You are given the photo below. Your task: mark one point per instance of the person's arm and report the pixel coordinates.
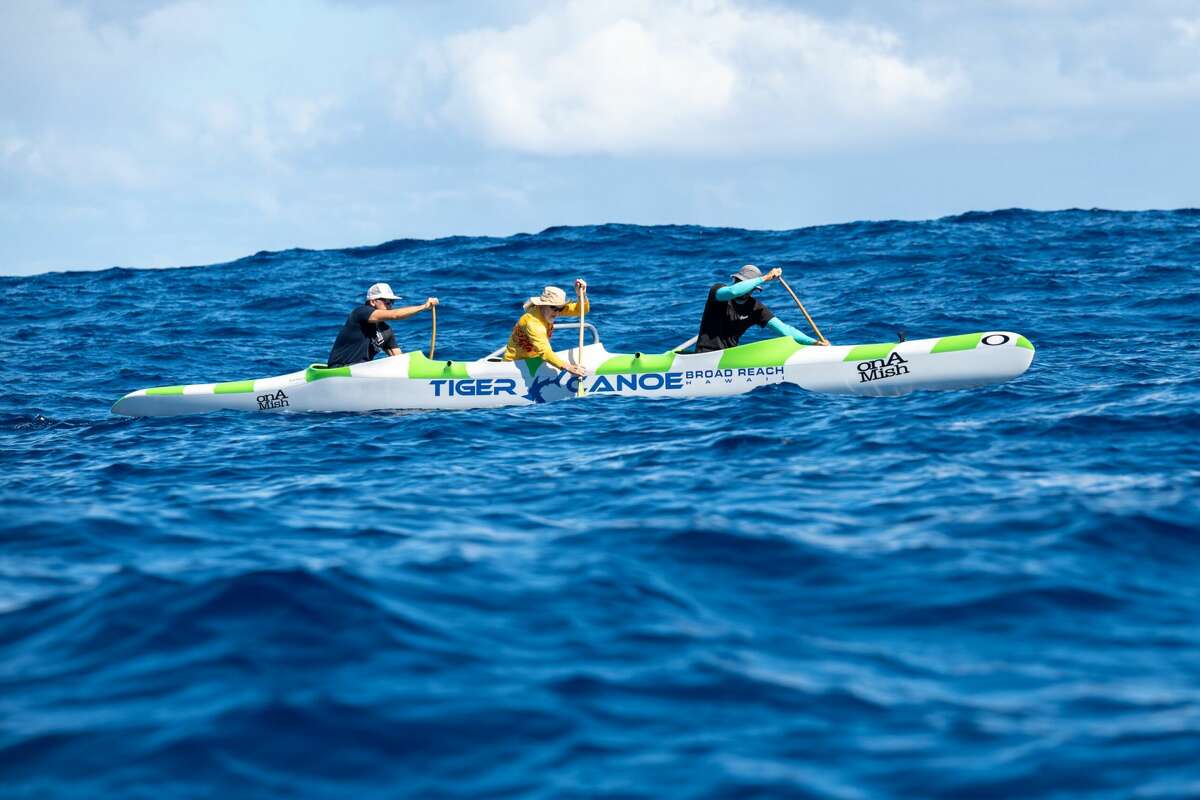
(382, 315)
(390, 346)
(743, 288)
(739, 289)
(571, 309)
(783, 329)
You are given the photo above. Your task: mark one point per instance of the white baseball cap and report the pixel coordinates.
(381, 291)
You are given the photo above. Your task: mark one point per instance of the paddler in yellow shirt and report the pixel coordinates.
(531, 335)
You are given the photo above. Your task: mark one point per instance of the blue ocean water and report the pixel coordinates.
(985, 593)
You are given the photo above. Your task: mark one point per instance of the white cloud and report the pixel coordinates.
(686, 76)
(75, 163)
(1188, 28)
(178, 88)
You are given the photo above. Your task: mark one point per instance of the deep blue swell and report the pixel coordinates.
(988, 593)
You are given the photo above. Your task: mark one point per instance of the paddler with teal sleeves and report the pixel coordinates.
(731, 310)
(531, 335)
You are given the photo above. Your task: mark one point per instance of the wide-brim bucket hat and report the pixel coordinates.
(550, 296)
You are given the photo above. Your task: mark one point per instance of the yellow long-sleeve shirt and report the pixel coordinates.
(531, 335)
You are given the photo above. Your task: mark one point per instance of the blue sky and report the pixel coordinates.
(145, 133)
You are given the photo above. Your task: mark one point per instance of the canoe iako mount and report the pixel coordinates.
(412, 381)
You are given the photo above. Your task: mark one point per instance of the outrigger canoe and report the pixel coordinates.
(412, 381)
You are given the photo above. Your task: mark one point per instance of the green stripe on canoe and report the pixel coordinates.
(949, 344)
(234, 387)
(1023, 342)
(421, 367)
(316, 372)
(767, 353)
(533, 365)
(870, 352)
(646, 363)
(164, 390)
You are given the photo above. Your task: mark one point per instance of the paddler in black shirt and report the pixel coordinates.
(366, 332)
(731, 310)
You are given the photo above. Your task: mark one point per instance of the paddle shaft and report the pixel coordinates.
(433, 338)
(820, 336)
(581, 298)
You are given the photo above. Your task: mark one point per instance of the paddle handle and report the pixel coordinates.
(820, 336)
(433, 338)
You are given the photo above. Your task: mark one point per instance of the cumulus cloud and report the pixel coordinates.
(145, 93)
(687, 76)
(736, 79)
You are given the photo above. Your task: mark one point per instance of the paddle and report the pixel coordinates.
(433, 338)
(820, 336)
(581, 298)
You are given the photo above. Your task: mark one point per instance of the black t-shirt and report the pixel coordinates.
(360, 339)
(725, 321)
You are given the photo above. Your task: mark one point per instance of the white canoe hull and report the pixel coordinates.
(411, 381)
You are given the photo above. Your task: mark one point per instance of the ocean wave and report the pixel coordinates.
(976, 593)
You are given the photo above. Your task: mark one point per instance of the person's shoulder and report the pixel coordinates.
(712, 290)
(534, 324)
(361, 312)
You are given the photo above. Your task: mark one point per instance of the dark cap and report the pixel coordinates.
(747, 273)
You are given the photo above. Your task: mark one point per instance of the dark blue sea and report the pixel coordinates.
(992, 593)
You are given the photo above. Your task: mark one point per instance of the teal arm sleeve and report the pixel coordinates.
(739, 289)
(783, 329)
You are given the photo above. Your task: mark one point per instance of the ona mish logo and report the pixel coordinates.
(880, 368)
(268, 401)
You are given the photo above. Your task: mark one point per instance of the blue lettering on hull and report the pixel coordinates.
(479, 387)
(645, 382)
(599, 384)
